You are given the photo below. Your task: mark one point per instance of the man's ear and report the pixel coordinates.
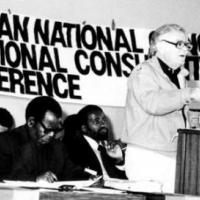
(84, 128)
(31, 122)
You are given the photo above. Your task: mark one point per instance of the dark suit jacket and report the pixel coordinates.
(35, 160)
(82, 154)
(10, 143)
(16, 148)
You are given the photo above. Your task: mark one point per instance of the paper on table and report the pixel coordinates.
(54, 185)
(134, 186)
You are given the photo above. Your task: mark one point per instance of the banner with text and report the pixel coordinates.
(74, 63)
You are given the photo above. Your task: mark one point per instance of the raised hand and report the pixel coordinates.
(114, 150)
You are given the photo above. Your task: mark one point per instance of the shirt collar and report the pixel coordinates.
(168, 70)
(91, 142)
(171, 73)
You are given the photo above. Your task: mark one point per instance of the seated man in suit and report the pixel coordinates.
(89, 145)
(40, 156)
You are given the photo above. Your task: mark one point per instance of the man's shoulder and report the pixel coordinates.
(146, 67)
(5, 138)
(20, 134)
(7, 141)
(18, 129)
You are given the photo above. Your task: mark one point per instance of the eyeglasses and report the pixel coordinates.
(180, 44)
(49, 130)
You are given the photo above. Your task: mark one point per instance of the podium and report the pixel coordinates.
(187, 179)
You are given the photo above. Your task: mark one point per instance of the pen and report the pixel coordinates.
(90, 171)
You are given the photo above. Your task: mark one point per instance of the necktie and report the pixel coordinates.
(102, 152)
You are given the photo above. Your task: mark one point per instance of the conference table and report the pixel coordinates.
(187, 184)
(129, 196)
(41, 194)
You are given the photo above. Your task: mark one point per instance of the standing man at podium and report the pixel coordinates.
(154, 104)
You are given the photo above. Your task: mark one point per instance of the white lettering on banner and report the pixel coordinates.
(73, 63)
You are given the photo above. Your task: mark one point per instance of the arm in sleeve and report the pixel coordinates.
(70, 170)
(23, 166)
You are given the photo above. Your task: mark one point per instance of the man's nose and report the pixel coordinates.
(102, 122)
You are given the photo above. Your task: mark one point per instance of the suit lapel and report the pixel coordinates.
(92, 159)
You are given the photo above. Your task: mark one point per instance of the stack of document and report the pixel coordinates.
(46, 185)
(133, 186)
(84, 185)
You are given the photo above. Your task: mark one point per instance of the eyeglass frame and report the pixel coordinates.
(179, 44)
(49, 130)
